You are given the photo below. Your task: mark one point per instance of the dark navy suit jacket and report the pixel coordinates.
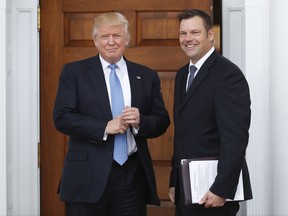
(82, 111)
(212, 120)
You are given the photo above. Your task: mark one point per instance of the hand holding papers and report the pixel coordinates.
(198, 176)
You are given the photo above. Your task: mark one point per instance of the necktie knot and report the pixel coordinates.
(112, 66)
(192, 70)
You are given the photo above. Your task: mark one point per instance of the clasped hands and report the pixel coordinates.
(130, 117)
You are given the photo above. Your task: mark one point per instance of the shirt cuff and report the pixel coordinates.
(105, 136)
(135, 130)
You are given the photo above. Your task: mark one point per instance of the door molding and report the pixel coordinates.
(22, 114)
(244, 47)
(3, 68)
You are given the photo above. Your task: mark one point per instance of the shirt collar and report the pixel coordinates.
(105, 64)
(203, 59)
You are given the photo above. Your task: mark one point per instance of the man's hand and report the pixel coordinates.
(212, 200)
(131, 116)
(171, 194)
(116, 126)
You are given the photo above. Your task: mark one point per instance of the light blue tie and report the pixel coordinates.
(191, 77)
(117, 101)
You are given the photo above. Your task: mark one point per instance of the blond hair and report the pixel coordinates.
(111, 18)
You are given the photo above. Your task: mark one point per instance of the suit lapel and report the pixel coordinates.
(200, 77)
(96, 75)
(136, 83)
(180, 86)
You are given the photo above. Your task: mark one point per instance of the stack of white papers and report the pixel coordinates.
(202, 176)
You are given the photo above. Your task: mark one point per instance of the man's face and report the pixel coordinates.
(111, 42)
(195, 41)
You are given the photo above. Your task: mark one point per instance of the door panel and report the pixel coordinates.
(66, 36)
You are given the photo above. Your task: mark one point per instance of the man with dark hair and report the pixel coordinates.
(211, 119)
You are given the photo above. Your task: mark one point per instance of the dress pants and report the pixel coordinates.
(124, 195)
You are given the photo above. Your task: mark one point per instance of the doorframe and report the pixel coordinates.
(3, 167)
(242, 44)
(22, 173)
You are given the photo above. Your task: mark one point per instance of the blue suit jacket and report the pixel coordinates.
(212, 120)
(82, 111)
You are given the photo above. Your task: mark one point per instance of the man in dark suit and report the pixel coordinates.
(96, 179)
(211, 119)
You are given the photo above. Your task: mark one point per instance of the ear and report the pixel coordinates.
(127, 41)
(211, 35)
(95, 41)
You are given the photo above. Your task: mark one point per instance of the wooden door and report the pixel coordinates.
(66, 36)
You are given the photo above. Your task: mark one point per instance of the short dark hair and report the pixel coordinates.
(208, 24)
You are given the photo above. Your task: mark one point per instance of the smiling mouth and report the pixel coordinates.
(190, 46)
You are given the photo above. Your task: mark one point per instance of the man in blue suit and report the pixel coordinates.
(94, 182)
(211, 119)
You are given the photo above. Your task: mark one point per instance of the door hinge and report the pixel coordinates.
(39, 155)
(38, 18)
